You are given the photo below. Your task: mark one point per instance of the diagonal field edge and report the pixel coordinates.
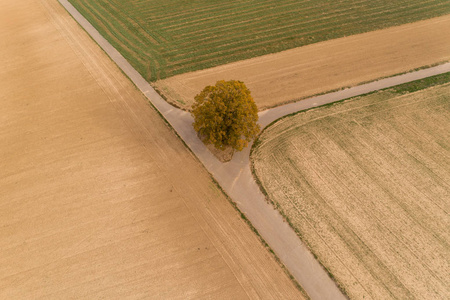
(235, 176)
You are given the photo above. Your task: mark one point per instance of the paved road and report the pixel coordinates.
(235, 176)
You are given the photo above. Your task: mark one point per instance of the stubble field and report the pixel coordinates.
(165, 38)
(94, 201)
(365, 183)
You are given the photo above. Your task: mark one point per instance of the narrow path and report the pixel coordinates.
(235, 176)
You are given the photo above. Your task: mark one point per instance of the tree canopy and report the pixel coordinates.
(226, 115)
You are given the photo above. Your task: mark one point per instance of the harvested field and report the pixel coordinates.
(94, 201)
(365, 183)
(165, 38)
(298, 73)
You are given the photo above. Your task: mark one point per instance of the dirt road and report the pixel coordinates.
(236, 178)
(99, 199)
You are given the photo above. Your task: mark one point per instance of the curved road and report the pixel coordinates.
(235, 176)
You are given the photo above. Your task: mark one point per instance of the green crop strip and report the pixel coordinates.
(162, 39)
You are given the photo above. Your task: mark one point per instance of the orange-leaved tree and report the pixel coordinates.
(226, 115)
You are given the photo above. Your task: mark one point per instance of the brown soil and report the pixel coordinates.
(366, 184)
(298, 73)
(222, 155)
(99, 199)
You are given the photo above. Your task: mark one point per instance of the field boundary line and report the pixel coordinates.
(235, 177)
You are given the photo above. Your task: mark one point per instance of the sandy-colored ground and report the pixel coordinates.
(298, 73)
(366, 184)
(99, 199)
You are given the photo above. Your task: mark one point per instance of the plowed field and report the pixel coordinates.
(98, 198)
(365, 183)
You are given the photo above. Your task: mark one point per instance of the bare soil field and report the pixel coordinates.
(294, 74)
(99, 199)
(365, 183)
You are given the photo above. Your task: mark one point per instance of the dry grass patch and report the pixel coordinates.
(298, 73)
(365, 183)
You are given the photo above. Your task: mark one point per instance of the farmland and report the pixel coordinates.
(299, 73)
(365, 183)
(94, 204)
(165, 38)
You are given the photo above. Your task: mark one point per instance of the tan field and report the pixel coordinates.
(298, 73)
(366, 184)
(99, 199)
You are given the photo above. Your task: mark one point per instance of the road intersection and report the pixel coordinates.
(235, 177)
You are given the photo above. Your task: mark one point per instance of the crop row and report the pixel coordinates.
(162, 39)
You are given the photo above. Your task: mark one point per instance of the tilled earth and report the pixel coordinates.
(99, 199)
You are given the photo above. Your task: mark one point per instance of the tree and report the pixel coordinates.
(226, 115)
